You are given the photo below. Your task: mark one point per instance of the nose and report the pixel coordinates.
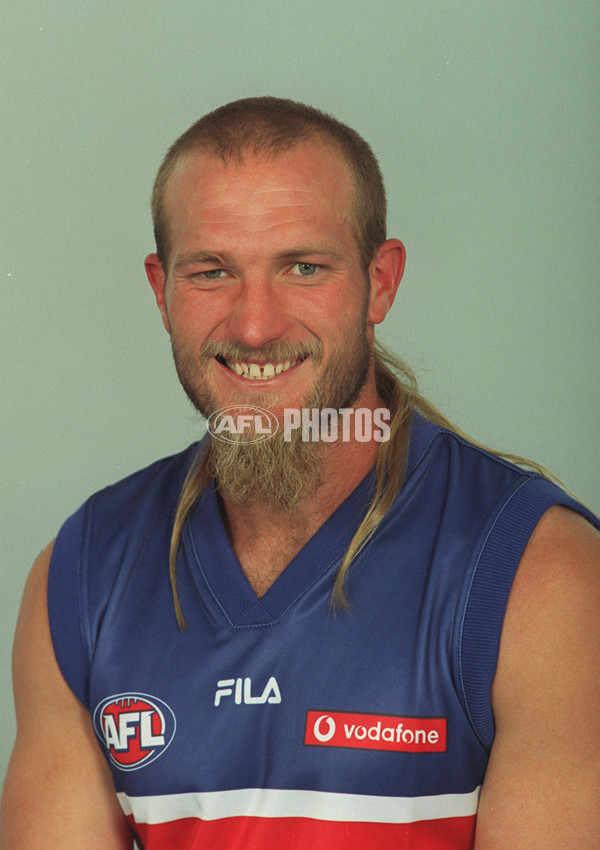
(258, 315)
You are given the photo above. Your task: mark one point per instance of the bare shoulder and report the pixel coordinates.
(563, 539)
(58, 790)
(38, 682)
(554, 601)
(558, 577)
(542, 787)
(32, 656)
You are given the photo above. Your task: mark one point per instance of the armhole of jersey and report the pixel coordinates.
(490, 587)
(65, 606)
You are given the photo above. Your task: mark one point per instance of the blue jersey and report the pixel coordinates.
(276, 722)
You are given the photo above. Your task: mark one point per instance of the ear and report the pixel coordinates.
(158, 280)
(385, 273)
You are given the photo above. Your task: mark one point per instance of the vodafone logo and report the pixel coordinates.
(135, 729)
(375, 732)
(324, 728)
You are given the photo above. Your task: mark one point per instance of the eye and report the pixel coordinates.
(305, 269)
(212, 274)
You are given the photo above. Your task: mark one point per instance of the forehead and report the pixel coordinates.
(310, 181)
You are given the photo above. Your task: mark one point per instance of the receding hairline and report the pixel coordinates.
(315, 140)
(199, 148)
(268, 127)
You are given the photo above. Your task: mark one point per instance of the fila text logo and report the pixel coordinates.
(135, 729)
(241, 691)
(375, 732)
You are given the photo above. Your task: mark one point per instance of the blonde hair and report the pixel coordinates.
(397, 386)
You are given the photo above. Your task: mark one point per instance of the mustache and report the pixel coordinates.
(276, 352)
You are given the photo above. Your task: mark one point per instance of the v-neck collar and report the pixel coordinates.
(208, 547)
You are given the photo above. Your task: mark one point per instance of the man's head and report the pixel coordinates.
(266, 283)
(268, 127)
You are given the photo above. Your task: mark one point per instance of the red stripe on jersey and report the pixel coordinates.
(253, 833)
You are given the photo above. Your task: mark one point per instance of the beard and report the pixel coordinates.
(275, 472)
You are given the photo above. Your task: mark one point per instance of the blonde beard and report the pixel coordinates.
(275, 472)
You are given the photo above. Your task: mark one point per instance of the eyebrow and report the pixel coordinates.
(315, 250)
(199, 257)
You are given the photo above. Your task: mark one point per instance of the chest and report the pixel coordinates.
(360, 702)
(263, 559)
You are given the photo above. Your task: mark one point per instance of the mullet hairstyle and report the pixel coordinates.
(397, 386)
(268, 127)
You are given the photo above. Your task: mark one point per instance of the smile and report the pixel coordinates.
(260, 371)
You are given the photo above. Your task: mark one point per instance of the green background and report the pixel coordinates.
(484, 116)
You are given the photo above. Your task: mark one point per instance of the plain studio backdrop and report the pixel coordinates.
(484, 117)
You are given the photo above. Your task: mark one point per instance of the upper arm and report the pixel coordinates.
(542, 786)
(58, 790)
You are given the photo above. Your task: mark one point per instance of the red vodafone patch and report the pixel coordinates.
(375, 732)
(134, 728)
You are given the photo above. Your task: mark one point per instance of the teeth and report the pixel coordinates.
(256, 372)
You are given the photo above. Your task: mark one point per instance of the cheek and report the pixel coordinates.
(192, 311)
(336, 312)
(188, 319)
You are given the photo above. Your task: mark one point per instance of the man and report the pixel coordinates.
(343, 666)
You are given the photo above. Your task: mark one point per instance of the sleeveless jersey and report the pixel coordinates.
(276, 722)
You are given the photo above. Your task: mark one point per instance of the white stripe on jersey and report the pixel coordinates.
(279, 803)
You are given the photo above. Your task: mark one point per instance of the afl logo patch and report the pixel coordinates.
(135, 729)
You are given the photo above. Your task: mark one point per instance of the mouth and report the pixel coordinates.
(260, 371)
